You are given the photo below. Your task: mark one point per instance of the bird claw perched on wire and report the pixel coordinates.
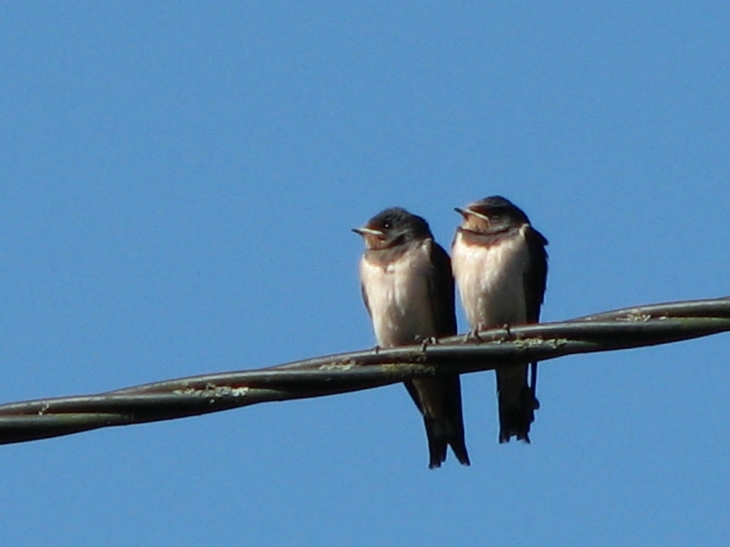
(473, 336)
(430, 341)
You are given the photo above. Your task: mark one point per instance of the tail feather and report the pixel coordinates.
(517, 404)
(439, 400)
(437, 444)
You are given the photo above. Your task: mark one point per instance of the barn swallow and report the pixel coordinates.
(500, 265)
(408, 289)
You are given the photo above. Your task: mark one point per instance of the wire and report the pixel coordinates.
(619, 329)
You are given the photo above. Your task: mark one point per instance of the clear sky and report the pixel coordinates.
(177, 186)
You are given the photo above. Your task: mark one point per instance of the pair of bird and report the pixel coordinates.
(499, 263)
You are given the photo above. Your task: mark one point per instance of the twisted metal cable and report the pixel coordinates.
(619, 329)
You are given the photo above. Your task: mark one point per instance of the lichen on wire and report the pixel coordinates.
(619, 329)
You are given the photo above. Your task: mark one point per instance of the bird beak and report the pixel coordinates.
(368, 231)
(467, 212)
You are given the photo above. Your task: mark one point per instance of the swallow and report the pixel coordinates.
(500, 266)
(408, 290)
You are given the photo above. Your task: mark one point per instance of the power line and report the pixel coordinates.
(619, 329)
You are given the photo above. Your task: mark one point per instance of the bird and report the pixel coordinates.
(408, 290)
(500, 267)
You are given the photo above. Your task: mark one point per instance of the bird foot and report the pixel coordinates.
(472, 336)
(430, 341)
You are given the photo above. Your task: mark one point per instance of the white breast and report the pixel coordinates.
(398, 298)
(491, 280)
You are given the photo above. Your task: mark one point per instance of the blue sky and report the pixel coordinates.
(177, 186)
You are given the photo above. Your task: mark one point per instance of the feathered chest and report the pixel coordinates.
(491, 278)
(398, 296)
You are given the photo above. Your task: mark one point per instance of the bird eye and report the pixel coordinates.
(386, 225)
